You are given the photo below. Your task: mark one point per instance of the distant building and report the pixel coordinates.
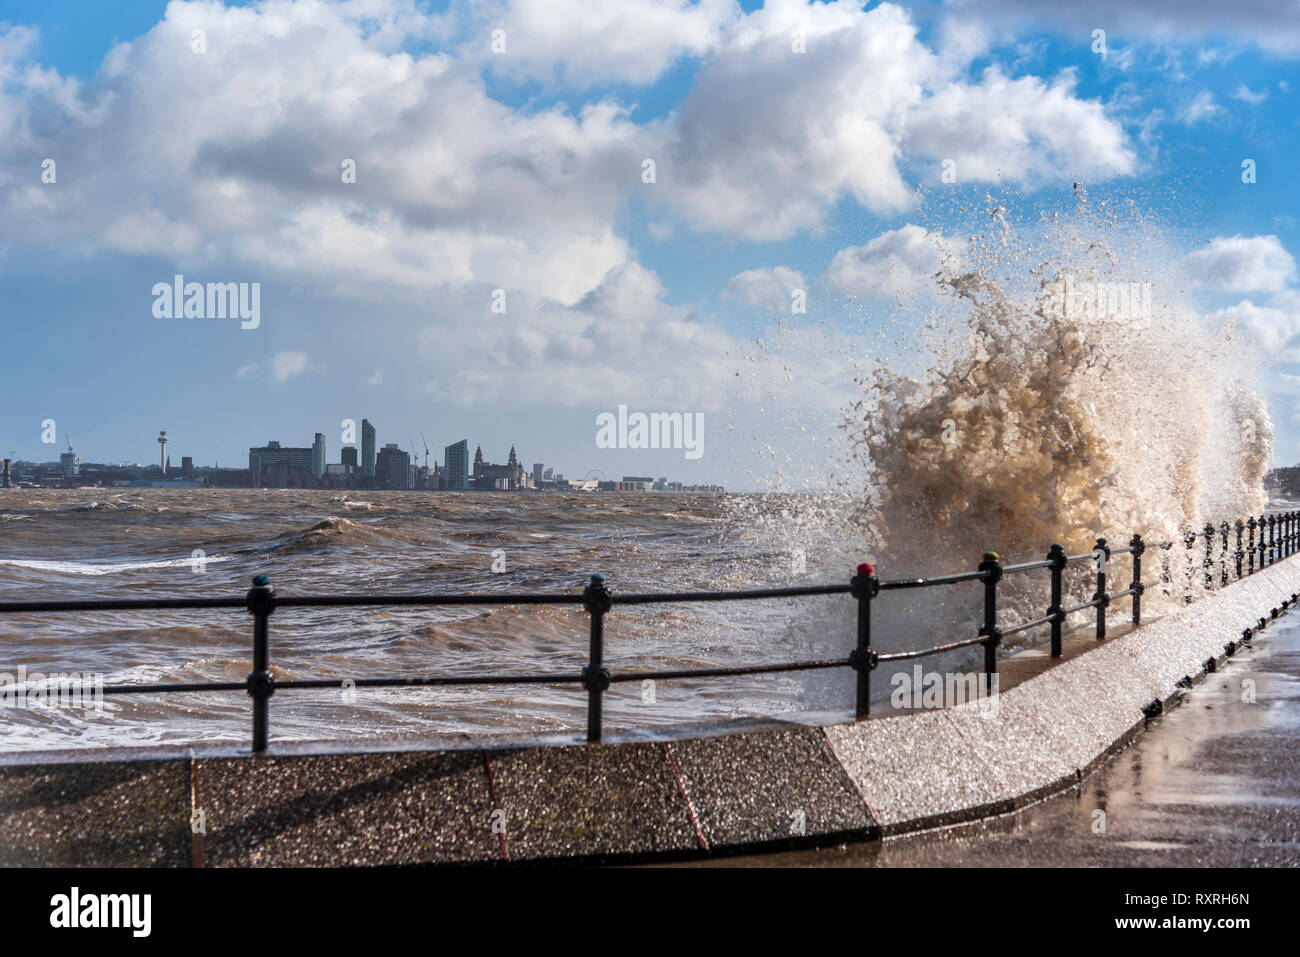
(367, 449)
(187, 466)
(508, 476)
(457, 465)
(538, 474)
(287, 463)
(350, 456)
(393, 468)
(70, 464)
(318, 455)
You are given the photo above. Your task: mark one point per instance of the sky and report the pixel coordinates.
(498, 220)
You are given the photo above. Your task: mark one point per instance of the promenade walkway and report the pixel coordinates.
(1214, 782)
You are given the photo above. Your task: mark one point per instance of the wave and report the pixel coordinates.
(331, 531)
(96, 569)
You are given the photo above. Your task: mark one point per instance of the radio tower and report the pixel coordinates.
(162, 457)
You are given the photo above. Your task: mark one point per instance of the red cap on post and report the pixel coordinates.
(866, 570)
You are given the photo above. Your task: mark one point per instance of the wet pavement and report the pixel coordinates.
(1213, 782)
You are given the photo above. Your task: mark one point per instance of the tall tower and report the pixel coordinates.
(318, 456)
(162, 453)
(367, 449)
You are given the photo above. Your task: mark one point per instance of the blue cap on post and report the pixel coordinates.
(598, 579)
(260, 580)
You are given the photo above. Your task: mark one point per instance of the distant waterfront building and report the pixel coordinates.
(457, 467)
(393, 468)
(284, 461)
(367, 449)
(70, 464)
(318, 455)
(508, 476)
(538, 473)
(350, 456)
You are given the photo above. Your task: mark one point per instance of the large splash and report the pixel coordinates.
(1058, 384)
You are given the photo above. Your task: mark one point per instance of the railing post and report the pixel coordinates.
(865, 586)
(1189, 539)
(1262, 546)
(1209, 562)
(1138, 547)
(1101, 597)
(261, 683)
(991, 566)
(1223, 555)
(1056, 555)
(1250, 566)
(1272, 539)
(1241, 526)
(597, 600)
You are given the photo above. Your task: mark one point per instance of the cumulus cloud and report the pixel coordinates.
(899, 262)
(622, 342)
(1020, 130)
(768, 289)
(241, 153)
(1243, 264)
(280, 367)
(1273, 25)
(770, 139)
(583, 42)
(1275, 326)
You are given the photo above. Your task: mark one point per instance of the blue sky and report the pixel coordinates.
(521, 170)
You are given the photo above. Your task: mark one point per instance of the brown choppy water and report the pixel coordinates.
(105, 543)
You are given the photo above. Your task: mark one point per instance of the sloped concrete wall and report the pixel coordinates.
(783, 787)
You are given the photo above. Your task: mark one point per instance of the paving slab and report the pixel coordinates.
(132, 814)
(769, 787)
(915, 770)
(591, 801)
(347, 810)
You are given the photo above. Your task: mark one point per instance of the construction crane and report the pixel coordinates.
(426, 451)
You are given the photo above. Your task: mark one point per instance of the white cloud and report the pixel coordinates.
(1243, 264)
(899, 262)
(1246, 95)
(237, 155)
(1198, 108)
(1019, 130)
(1275, 327)
(770, 139)
(621, 343)
(768, 289)
(281, 367)
(584, 42)
(1273, 25)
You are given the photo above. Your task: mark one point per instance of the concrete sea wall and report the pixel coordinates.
(772, 786)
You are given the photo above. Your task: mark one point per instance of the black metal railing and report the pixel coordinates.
(1279, 536)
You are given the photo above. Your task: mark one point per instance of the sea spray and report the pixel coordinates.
(1058, 386)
